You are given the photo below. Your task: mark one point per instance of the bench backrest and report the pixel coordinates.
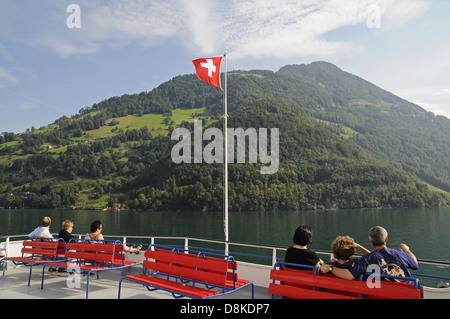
(49, 249)
(188, 266)
(306, 284)
(119, 255)
(98, 253)
(231, 275)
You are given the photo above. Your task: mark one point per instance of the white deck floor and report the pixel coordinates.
(14, 285)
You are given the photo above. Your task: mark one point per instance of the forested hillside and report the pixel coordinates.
(392, 128)
(344, 143)
(317, 170)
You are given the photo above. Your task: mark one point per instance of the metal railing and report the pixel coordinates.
(270, 258)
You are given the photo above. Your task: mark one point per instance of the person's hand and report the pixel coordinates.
(404, 247)
(324, 268)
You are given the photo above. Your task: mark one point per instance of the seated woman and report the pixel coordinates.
(66, 231)
(344, 248)
(96, 235)
(299, 253)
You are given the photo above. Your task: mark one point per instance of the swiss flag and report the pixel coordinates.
(208, 70)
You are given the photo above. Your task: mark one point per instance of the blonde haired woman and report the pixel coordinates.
(66, 231)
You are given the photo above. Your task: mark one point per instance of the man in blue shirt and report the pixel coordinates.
(43, 231)
(394, 262)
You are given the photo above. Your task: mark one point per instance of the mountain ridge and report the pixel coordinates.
(100, 151)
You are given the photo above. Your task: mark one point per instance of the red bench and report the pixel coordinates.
(175, 268)
(86, 258)
(38, 252)
(310, 284)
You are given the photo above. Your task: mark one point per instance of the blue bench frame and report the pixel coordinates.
(86, 265)
(225, 289)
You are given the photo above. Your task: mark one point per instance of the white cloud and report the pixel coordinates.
(444, 91)
(7, 77)
(68, 47)
(400, 12)
(113, 24)
(200, 23)
(285, 28)
(26, 106)
(132, 20)
(249, 28)
(290, 28)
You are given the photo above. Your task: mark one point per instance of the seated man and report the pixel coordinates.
(43, 231)
(394, 262)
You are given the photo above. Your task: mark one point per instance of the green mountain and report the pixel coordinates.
(344, 143)
(391, 128)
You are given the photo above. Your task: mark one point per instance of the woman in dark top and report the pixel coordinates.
(66, 235)
(66, 232)
(299, 253)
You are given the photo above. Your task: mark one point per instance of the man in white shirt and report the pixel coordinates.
(42, 231)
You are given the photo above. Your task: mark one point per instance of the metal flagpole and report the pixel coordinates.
(225, 175)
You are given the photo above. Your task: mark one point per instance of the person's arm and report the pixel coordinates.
(362, 249)
(45, 233)
(338, 272)
(406, 248)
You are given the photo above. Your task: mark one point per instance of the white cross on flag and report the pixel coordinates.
(208, 70)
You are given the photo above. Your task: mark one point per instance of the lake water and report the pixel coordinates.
(424, 230)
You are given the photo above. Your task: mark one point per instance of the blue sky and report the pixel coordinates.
(48, 70)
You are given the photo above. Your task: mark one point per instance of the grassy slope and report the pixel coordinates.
(157, 123)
